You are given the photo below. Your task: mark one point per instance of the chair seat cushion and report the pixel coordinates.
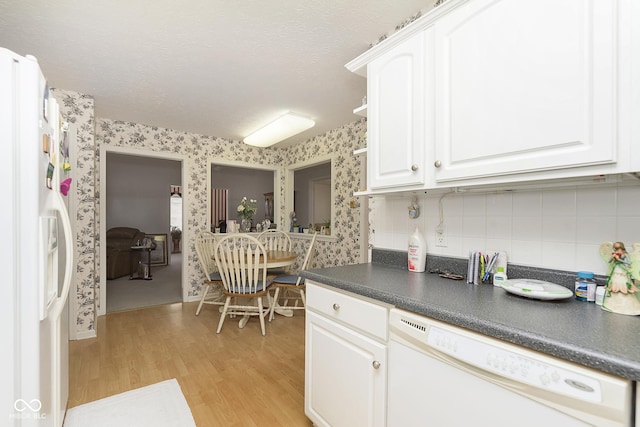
(259, 288)
(288, 279)
(215, 277)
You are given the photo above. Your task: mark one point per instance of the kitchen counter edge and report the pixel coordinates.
(610, 347)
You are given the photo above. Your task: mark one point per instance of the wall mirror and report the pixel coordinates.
(230, 183)
(312, 196)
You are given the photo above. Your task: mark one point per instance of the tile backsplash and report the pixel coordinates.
(550, 228)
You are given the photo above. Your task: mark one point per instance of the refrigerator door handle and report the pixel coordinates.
(60, 207)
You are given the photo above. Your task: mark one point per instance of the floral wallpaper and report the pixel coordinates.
(197, 153)
(78, 111)
(407, 22)
(341, 143)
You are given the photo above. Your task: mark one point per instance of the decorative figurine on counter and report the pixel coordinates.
(622, 295)
(293, 221)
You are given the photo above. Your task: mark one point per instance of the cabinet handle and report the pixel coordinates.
(375, 364)
(437, 163)
(336, 306)
(414, 167)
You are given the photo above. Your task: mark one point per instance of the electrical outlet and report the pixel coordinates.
(441, 236)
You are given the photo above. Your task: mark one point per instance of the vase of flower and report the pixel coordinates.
(246, 210)
(245, 225)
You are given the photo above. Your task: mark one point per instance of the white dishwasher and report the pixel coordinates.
(442, 375)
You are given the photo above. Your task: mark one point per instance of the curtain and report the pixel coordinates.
(219, 198)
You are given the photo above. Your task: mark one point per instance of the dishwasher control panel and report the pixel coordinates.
(497, 380)
(496, 359)
(522, 368)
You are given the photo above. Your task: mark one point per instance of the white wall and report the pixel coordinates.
(555, 228)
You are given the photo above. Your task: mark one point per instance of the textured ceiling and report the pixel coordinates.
(215, 67)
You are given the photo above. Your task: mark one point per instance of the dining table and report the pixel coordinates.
(276, 259)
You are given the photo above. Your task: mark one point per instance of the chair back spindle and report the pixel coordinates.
(275, 240)
(289, 282)
(242, 263)
(212, 283)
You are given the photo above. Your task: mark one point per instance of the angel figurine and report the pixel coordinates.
(621, 292)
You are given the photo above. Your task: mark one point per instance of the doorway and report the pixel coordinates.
(138, 196)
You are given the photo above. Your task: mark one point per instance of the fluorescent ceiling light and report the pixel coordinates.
(280, 129)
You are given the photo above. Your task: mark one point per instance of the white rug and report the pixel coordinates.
(156, 405)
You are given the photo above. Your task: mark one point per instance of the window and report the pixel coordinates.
(175, 207)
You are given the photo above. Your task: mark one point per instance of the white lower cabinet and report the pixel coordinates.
(345, 359)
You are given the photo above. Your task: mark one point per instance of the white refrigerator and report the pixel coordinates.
(37, 256)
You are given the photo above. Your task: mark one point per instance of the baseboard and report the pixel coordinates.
(86, 334)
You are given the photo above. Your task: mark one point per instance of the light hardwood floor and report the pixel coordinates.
(236, 378)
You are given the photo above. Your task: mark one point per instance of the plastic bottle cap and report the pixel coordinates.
(585, 274)
(500, 269)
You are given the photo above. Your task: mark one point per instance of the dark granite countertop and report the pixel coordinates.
(569, 329)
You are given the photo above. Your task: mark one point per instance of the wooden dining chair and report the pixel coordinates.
(212, 293)
(276, 240)
(242, 262)
(292, 283)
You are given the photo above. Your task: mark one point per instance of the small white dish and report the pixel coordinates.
(536, 289)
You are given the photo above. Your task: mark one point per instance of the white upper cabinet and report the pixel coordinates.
(493, 92)
(395, 124)
(524, 86)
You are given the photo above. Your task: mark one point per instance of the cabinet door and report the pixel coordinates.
(524, 86)
(395, 124)
(345, 375)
